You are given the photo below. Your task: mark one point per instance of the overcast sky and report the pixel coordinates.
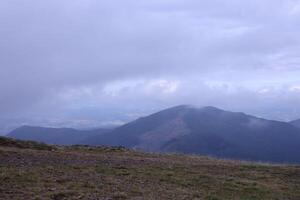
(110, 61)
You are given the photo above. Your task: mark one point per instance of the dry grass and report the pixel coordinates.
(116, 173)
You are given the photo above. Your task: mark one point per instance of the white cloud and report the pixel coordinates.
(162, 86)
(295, 88)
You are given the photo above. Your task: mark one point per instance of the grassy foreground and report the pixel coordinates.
(30, 170)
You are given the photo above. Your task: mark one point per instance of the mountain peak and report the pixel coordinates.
(210, 108)
(192, 107)
(187, 106)
(183, 106)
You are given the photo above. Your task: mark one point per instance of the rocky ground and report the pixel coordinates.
(35, 171)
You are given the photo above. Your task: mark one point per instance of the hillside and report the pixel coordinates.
(80, 172)
(59, 136)
(209, 131)
(9, 142)
(296, 123)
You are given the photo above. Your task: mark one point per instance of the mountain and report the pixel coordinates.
(59, 136)
(208, 131)
(296, 123)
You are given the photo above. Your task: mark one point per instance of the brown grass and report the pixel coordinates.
(116, 173)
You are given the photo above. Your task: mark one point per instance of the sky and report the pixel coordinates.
(92, 62)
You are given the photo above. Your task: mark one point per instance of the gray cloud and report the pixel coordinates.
(50, 49)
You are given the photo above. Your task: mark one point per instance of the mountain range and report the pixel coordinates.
(58, 136)
(190, 130)
(296, 123)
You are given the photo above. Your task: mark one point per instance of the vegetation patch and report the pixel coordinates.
(82, 172)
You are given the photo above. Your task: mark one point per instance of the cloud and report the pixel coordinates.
(56, 56)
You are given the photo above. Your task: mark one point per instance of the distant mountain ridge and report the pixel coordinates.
(209, 131)
(58, 136)
(296, 123)
(206, 131)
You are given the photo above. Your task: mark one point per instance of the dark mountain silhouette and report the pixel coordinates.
(186, 129)
(59, 136)
(208, 131)
(296, 123)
